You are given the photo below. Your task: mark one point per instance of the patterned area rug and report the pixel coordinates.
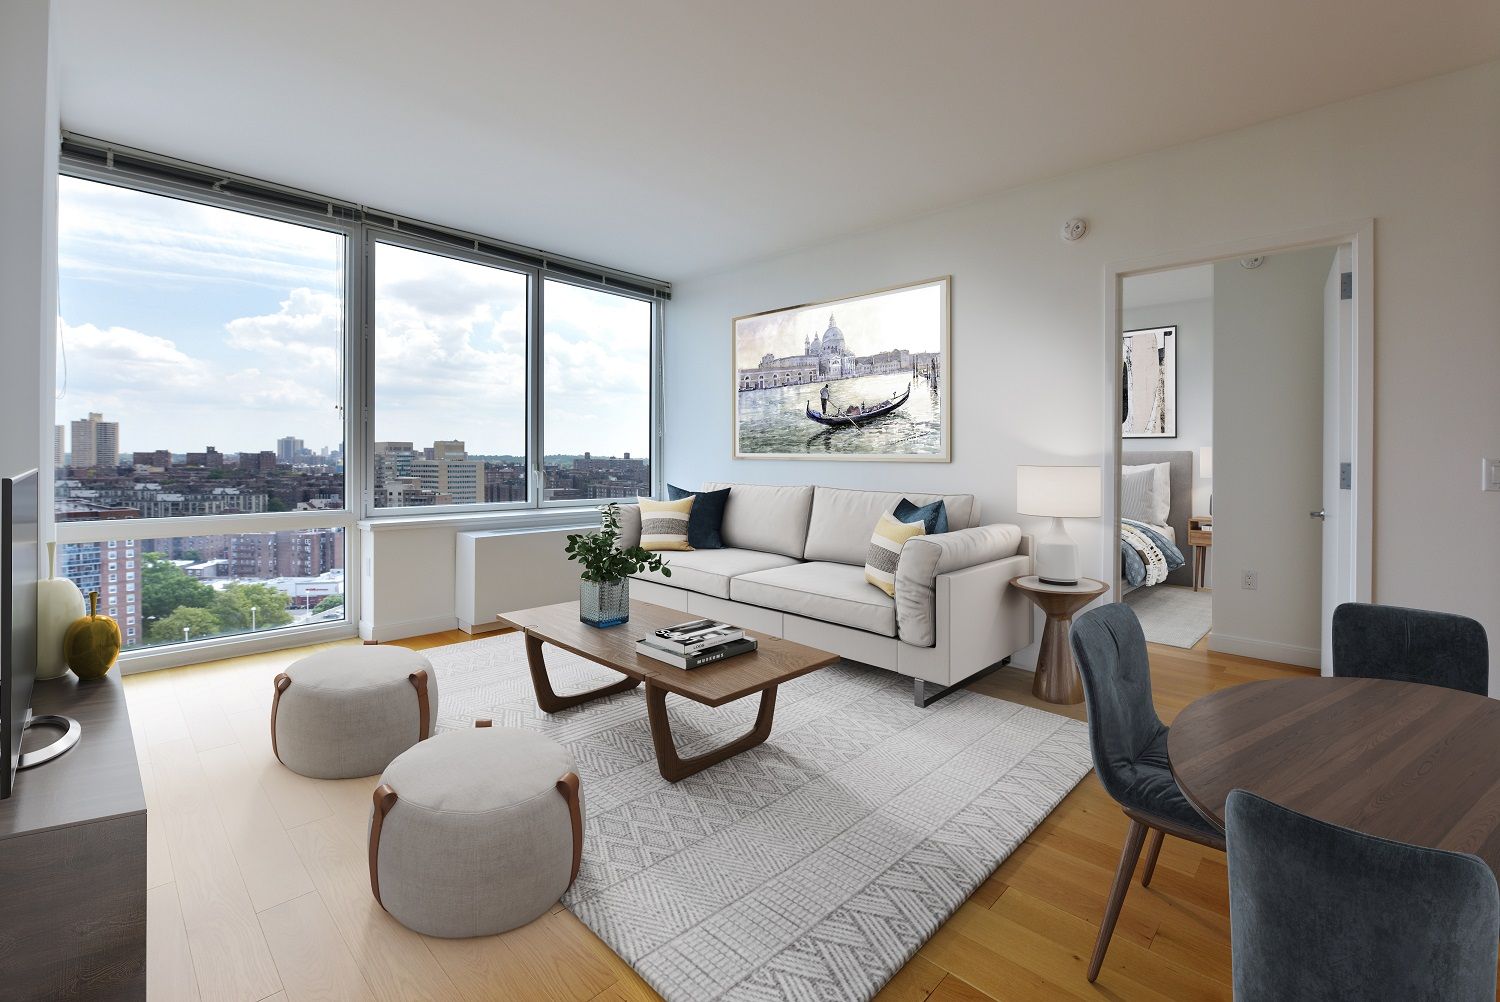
(1172, 614)
(809, 868)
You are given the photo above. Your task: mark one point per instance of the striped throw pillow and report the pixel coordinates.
(885, 550)
(664, 524)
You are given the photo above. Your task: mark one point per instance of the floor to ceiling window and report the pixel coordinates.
(245, 372)
(200, 389)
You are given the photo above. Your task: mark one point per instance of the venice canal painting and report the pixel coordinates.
(858, 378)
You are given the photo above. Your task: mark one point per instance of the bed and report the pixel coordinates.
(1180, 508)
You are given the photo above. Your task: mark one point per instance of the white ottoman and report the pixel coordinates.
(349, 711)
(476, 832)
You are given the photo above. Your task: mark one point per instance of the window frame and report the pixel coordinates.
(360, 232)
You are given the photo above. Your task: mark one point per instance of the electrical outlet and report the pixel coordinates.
(1489, 475)
(1250, 581)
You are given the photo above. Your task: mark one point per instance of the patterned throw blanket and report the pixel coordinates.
(1146, 556)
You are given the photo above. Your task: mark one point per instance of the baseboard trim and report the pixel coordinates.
(385, 632)
(1265, 650)
(479, 628)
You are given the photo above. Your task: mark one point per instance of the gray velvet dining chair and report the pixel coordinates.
(1321, 912)
(1410, 645)
(1129, 744)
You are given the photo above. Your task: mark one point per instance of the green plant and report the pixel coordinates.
(601, 556)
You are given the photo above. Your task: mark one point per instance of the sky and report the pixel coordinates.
(192, 325)
(908, 318)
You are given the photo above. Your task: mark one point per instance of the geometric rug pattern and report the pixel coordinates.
(811, 867)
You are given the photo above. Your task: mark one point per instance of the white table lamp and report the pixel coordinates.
(1058, 492)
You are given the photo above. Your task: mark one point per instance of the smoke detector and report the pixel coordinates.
(1251, 263)
(1074, 229)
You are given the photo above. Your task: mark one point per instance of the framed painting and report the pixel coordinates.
(1149, 383)
(860, 378)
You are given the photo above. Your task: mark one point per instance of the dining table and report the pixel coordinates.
(1405, 761)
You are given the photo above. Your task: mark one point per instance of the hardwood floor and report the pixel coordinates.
(259, 886)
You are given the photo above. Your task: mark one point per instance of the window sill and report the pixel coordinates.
(582, 517)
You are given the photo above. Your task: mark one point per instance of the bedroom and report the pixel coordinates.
(1222, 398)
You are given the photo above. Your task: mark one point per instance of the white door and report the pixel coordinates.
(1337, 503)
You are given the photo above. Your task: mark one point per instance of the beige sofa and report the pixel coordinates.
(793, 567)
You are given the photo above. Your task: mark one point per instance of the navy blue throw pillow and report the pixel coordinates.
(934, 516)
(707, 517)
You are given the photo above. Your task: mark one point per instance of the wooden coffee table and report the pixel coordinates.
(774, 662)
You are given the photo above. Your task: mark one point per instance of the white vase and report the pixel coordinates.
(58, 604)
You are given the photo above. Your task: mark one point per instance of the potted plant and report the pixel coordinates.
(604, 591)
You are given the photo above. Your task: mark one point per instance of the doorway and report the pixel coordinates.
(1239, 443)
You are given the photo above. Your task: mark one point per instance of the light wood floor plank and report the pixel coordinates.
(296, 799)
(314, 962)
(272, 870)
(169, 961)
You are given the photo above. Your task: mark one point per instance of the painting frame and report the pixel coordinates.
(1168, 370)
(944, 453)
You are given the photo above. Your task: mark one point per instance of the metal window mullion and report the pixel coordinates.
(536, 391)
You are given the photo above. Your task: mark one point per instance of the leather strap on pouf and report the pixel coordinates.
(385, 799)
(568, 787)
(418, 680)
(282, 682)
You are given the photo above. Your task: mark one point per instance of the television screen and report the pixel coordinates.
(19, 558)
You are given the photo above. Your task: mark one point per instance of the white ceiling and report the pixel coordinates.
(672, 138)
(1179, 285)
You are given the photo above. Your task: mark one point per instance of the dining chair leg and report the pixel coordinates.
(1152, 852)
(1129, 854)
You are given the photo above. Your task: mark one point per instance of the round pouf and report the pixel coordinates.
(476, 832)
(349, 711)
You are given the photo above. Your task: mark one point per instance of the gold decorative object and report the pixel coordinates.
(92, 644)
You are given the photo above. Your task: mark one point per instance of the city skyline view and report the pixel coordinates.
(192, 325)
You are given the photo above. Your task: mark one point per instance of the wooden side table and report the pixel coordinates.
(1057, 679)
(1200, 538)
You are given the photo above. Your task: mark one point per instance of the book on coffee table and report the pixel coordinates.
(742, 645)
(694, 636)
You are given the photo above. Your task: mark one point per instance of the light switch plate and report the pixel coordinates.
(1490, 475)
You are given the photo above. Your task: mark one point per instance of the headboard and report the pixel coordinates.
(1182, 501)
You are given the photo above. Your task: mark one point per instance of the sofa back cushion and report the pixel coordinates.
(769, 518)
(842, 519)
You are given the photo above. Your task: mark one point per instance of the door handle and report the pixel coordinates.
(1321, 514)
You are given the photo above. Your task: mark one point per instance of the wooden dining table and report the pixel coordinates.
(1410, 762)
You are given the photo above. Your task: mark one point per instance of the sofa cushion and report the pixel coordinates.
(831, 592)
(925, 557)
(934, 516)
(841, 520)
(706, 520)
(885, 550)
(768, 518)
(708, 572)
(664, 524)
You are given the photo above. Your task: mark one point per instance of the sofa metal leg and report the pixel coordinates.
(925, 693)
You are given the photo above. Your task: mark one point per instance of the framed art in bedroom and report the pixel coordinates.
(1149, 383)
(860, 378)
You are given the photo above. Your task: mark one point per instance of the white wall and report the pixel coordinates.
(1029, 331)
(28, 238)
(1268, 460)
(1195, 383)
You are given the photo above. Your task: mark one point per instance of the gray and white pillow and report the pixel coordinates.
(1146, 493)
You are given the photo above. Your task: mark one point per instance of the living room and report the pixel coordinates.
(331, 328)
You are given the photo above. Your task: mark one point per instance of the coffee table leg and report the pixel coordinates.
(547, 698)
(675, 768)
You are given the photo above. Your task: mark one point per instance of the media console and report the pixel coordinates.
(73, 857)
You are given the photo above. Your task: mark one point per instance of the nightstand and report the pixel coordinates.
(1057, 679)
(1200, 538)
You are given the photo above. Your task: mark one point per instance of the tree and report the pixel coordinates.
(165, 588)
(232, 607)
(198, 623)
(331, 602)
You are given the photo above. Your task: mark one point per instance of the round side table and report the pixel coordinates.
(1057, 679)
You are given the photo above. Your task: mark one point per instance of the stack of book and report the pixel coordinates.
(694, 644)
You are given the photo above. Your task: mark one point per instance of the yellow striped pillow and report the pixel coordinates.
(664, 524)
(885, 550)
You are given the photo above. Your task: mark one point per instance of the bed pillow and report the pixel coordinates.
(664, 524)
(706, 520)
(1146, 492)
(934, 516)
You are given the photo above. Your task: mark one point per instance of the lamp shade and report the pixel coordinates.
(1058, 491)
(1206, 462)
